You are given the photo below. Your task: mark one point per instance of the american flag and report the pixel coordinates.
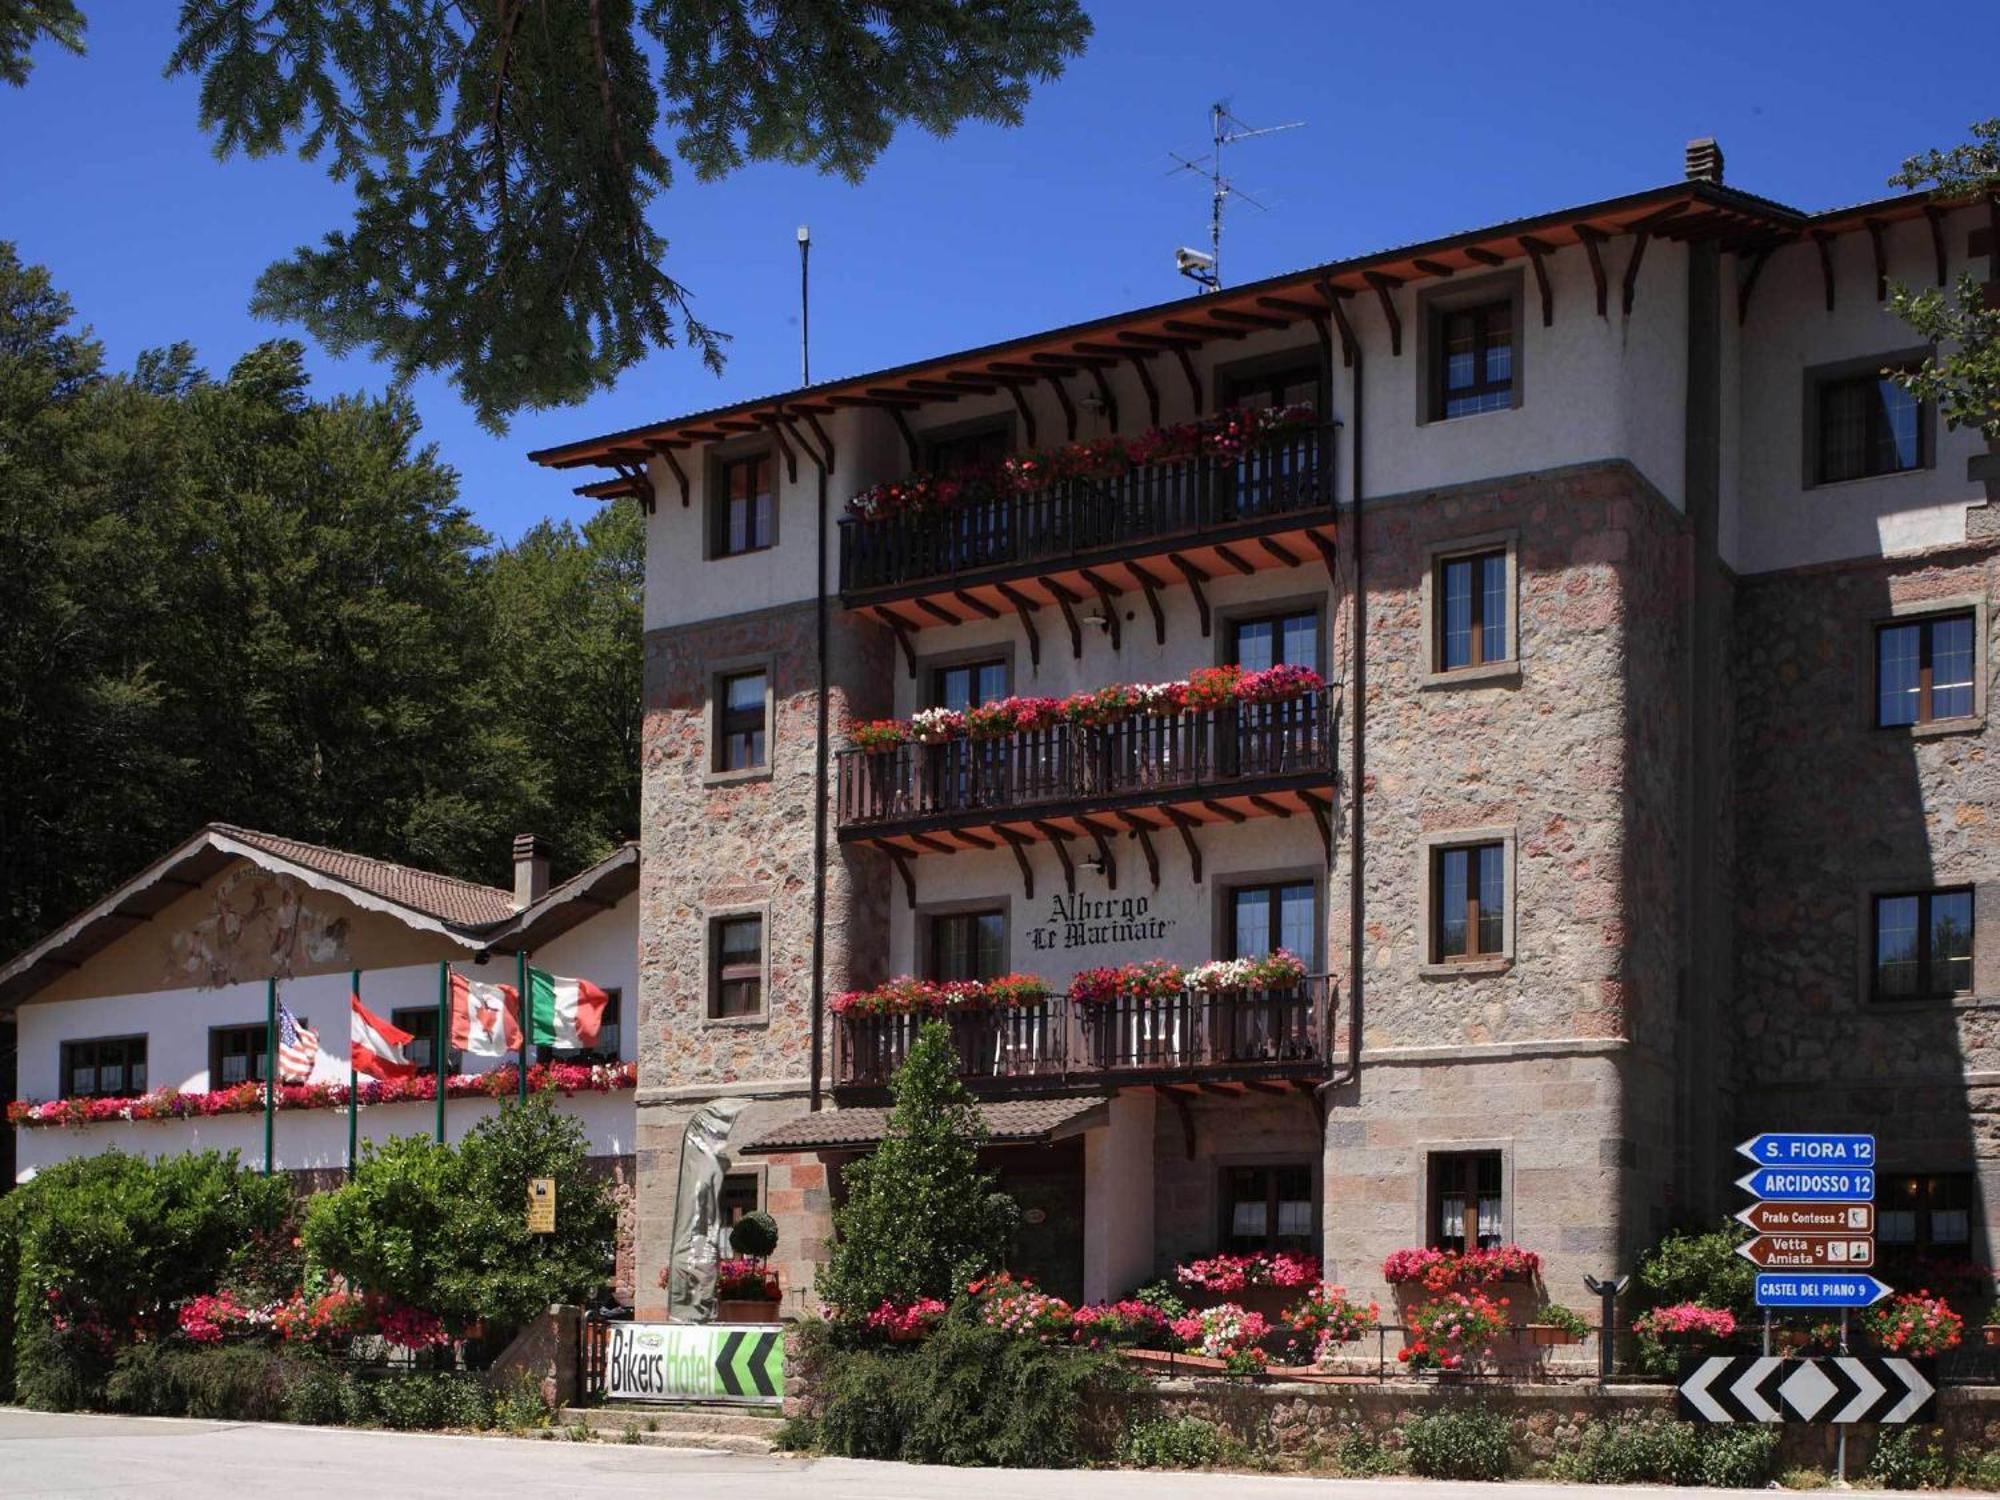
(298, 1046)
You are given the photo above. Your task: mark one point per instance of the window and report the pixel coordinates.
(968, 945)
(236, 1054)
(1466, 1211)
(739, 721)
(744, 511)
(1867, 424)
(1924, 670)
(421, 1021)
(1263, 918)
(969, 452)
(736, 985)
(1472, 357)
(1471, 626)
(107, 1067)
(739, 1196)
(1268, 640)
(968, 684)
(608, 1035)
(1469, 902)
(1924, 1213)
(1923, 945)
(1268, 1208)
(1283, 385)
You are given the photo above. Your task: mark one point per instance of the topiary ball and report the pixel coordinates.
(754, 1234)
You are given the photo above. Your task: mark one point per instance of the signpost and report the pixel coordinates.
(724, 1362)
(1813, 1289)
(1809, 1218)
(1810, 1184)
(541, 1205)
(1808, 1252)
(1799, 1149)
(1849, 1388)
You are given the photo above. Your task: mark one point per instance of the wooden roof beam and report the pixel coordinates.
(1106, 602)
(1874, 227)
(1349, 345)
(1025, 608)
(1434, 267)
(976, 604)
(1185, 824)
(1195, 579)
(1384, 285)
(1287, 305)
(673, 463)
(1201, 332)
(1249, 319)
(1059, 839)
(1825, 243)
(1749, 283)
(1077, 360)
(1631, 281)
(1105, 397)
(1146, 384)
(1019, 845)
(945, 390)
(1593, 237)
(1157, 341)
(1062, 399)
(1152, 587)
(1143, 832)
(1538, 252)
(1934, 216)
(1484, 256)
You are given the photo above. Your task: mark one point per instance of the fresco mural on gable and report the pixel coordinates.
(258, 924)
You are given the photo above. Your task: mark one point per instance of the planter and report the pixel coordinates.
(1547, 1335)
(1167, 1361)
(746, 1310)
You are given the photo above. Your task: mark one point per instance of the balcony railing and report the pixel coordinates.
(1190, 1033)
(1190, 751)
(1288, 476)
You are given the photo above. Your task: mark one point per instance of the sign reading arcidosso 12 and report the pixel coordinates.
(1810, 1184)
(732, 1362)
(1809, 1148)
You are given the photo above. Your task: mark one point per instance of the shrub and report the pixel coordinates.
(1802, 1479)
(1703, 1267)
(1631, 1452)
(518, 1405)
(921, 1218)
(1164, 1296)
(859, 1413)
(441, 1228)
(1739, 1457)
(316, 1395)
(1909, 1458)
(755, 1234)
(975, 1394)
(426, 1402)
(106, 1245)
(1361, 1454)
(1980, 1470)
(240, 1382)
(1174, 1443)
(1469, 1443)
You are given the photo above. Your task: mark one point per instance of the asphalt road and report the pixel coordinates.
(42, 1457)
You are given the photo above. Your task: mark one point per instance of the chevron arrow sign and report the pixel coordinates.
(1837, 1388)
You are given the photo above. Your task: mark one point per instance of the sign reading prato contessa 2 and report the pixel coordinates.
(726, 1362)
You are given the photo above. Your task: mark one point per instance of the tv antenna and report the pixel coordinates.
(1225, 130)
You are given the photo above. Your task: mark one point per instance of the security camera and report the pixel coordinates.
(1186, 260)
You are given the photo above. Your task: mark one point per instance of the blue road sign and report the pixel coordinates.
(1810, 1184)
(1779, 1148)
(1816, 1289)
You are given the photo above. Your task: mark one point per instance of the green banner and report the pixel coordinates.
(725, 1362)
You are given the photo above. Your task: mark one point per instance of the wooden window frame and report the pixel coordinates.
(721, 470)
(66, 1064)
(937, 667)
(935, 444)
(1431, 849)
(1225, 1201)
(1265, 377)
(1822, 388)
(1484, 312)
(1274, 613)
(1478, 659)
(1925, 624)
(731, 722)
(1273, 886)
(1922, 1241)
(415, 1019)
(935, 919)
(720, 972)
(218, 1035)
(1457, 1170)
(1923, 898)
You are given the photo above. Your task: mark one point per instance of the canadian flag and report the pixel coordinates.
(377, 1047)
(485, 1018)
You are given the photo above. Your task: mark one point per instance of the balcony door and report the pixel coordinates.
(980, 532)
(1271, 739)
(1268, 1026)
(1268, 481)
(968, 773)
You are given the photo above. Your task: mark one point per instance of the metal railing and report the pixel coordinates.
(1190, 1032)
(1186, 751)
(1287, 476)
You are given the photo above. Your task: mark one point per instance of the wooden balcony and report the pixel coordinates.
(1191, 1036)
(1077, 781)
(1083, 540)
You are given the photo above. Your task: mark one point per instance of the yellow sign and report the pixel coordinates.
(542, 1205)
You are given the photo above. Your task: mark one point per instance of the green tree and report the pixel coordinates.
(1963, 377)
(444, 1228)
(921, 1218)
(24, 22)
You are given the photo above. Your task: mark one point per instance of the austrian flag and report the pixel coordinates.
(485, 1018)
(378, 1047)
(568, 1013)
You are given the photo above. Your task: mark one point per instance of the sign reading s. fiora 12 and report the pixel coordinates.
(723, 1362)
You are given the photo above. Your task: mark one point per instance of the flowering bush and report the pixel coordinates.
(906, 996)
(1127, 1323)
(248, 1098)
(1686, 1318)
(746, 1277)
(1914, 1323)
(324, 1320)
(911, 1320)
(1275, 971)
(1155, 979)
(1458, 1270)
(1225, 438)
(1455, 1330)
(406, 1327)
(1096, 708)
(1325, 1317)
(1016, 1307)
(1232, 1273)
(215, 1316)
(1228, 1333)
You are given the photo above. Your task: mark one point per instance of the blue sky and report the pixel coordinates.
(1420, 121)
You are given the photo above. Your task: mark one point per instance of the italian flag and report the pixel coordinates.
(567, 1012)
(377, 1047)
(485, 1018)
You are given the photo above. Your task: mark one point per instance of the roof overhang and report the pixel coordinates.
(1686, 210)
(588, 894)
(1009, 1122)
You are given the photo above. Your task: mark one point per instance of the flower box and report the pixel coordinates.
(1547, 1335)
(1169, 1361)
(746, 1310)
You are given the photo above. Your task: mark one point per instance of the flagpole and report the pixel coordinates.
(442, 1044)
(523, 1001)
(353, 1077)
(270, 1070)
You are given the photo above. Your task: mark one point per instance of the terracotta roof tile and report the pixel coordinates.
(1007, 1121)
(462, 903)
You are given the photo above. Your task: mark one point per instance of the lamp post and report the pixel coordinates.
(1608, 1291)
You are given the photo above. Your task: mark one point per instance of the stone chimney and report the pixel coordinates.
(531, 871)
(1704, 160)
